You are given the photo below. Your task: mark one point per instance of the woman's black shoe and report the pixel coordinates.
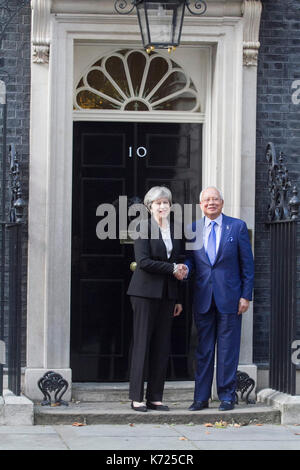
(142, 408)
(151, 406)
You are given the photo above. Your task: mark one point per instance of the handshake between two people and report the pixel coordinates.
(181, 271)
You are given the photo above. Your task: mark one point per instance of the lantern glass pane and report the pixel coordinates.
(161, 22)
(143, 24)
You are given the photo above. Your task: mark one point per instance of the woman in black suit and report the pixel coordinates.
(154, 294)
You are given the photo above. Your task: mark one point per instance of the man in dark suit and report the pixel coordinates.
(220, 260)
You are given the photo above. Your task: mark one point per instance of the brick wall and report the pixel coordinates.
(15, 55)
(278, 120)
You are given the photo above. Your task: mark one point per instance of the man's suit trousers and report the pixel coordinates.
(224, 331)
(152, 324)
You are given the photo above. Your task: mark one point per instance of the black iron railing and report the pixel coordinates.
(282, 222)
(3, 107)
(11, 235)
(283, 305)
(10, 227)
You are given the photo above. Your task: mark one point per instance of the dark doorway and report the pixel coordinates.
(110, 160)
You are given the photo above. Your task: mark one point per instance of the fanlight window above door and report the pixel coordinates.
(132, 80)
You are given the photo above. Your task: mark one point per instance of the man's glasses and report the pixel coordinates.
(211, 199)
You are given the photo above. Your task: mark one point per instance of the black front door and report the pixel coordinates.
(112, 160)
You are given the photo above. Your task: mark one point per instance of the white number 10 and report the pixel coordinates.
(140, 151)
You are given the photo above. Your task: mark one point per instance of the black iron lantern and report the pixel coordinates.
(160, 23)
(161, 20)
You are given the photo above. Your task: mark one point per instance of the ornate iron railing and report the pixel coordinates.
(3, 109)
(11, 225)
(12, 232)
(282, 221)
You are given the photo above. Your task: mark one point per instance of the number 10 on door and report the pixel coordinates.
(140, 151)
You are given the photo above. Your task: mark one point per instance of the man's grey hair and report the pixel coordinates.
(157, 192)
(211, 187)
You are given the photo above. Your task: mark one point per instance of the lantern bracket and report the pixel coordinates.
(160, 29)
(200, 5)
(125, 7)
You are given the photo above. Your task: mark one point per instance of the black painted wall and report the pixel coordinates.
(278, 120)
(15, 60)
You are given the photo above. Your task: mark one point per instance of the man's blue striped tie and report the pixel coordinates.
(211, 244)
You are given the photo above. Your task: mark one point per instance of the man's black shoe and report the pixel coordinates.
(226, 405)
(198, 405)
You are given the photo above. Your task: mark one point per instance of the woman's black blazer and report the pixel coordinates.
(153, 276)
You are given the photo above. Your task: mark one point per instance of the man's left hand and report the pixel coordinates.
(243, 305)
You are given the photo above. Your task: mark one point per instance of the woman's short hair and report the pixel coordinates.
(157, 192)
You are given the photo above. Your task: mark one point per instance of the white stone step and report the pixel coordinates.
(111, 392)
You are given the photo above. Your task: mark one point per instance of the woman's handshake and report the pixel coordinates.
(180, 271)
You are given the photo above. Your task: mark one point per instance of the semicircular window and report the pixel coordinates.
(132, 80)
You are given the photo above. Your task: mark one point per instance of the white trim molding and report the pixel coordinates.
(40, 36)
(252, 12)
(251, 20)
(133, 116)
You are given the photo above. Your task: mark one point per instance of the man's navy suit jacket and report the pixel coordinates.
(232, 274)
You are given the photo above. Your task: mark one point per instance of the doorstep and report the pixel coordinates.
(98, 392)
(86, 413)
(108, 403)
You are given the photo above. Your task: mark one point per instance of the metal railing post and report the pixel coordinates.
(15, 305)
(15, 226)
(282, 222)
(3, 199)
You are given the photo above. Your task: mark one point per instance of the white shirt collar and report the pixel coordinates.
(218, 220)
